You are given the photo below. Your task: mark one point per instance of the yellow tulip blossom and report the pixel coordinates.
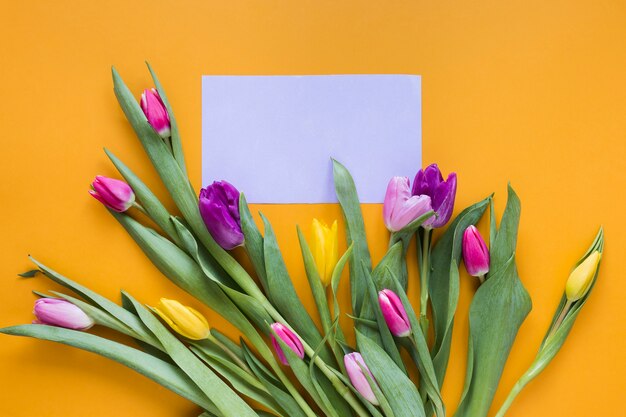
(183, 320)
(325, 249)
(581, 277)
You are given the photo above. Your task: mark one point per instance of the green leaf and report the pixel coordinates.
(29, 274)
(398, 389)
(360, 263)
(225, 399)
(177, 149)
(159, 371)
(253, 241)
(443, 286)
(283, 295)
(497, 311)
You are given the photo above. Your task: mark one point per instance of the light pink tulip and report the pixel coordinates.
(61, 313)
(354, 367)
(400, 208)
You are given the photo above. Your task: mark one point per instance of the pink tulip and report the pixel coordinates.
(354, 367)
(290, 338)
(394, 313)
(115, 194)
(61, 313)
(475, 252)
(400, 208)
(155, 112)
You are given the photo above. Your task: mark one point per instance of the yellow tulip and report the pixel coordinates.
(325, 249)
(183, 320)
(581, 277)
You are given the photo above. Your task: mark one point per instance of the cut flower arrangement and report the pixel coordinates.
(284, 364)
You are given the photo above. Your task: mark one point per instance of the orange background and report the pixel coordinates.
(533, 92)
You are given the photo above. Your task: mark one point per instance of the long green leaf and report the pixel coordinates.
(497, 311)
(253, 241)
(159, 371)
(225, 399)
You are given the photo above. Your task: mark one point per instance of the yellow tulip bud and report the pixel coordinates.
(183, 320)
(325, 249)
(581, 277)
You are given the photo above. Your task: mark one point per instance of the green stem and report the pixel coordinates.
(424, 276)
(140, 208)
(230, 354)
(517, 388)
(558, 321)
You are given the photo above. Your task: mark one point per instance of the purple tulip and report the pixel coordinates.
(354, 367)
(400, 208)
(61, 313)
(155, 112)
(219, 207)
(290, 338)
(115, 194)
(475, 252)
(394, 313)
(430, 182)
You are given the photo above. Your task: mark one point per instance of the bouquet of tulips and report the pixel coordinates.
(284, 364)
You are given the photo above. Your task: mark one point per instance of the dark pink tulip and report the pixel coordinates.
(115, 194)
(354, 367)
(155, 112)
(290, 338)
(429, 181)
(475, 252)
(394, 313)
(61, 313)
(219, 208)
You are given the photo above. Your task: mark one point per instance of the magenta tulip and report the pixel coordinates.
(394, 313)
(475, 252)
(290, 338)
(115, 194)
(429, 181)
(354, 367)
(219, 208)
(155, 112)
(399, 207)
(61, 313)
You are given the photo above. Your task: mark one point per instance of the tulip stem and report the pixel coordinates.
(481, 278)
(230, 353)
(140, 208)
(559, 320)
(424, 276)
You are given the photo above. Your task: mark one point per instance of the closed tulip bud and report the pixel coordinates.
(290, 338)
(429, 181)
(61, 313)
(394, 313)
(399, 207)
(475, 252)
(354, 367)
(325, 249)
(183, 320)
(219, 207)
(581, 277)
(155, 112)
(115, 194)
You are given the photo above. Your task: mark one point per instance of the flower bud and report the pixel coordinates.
(290, 338)
(61, 313)
(429, 181)
(155, 112)
(394, 313)
(354, 367)
(325, 249)
(115, 194)
(183, 320)
(475, 252)
(399, 207)
(581, 277)
(219, 207)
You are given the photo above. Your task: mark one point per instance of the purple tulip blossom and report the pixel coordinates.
(61, 313)
(429, 181)
(219, 207)
(290, 338)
